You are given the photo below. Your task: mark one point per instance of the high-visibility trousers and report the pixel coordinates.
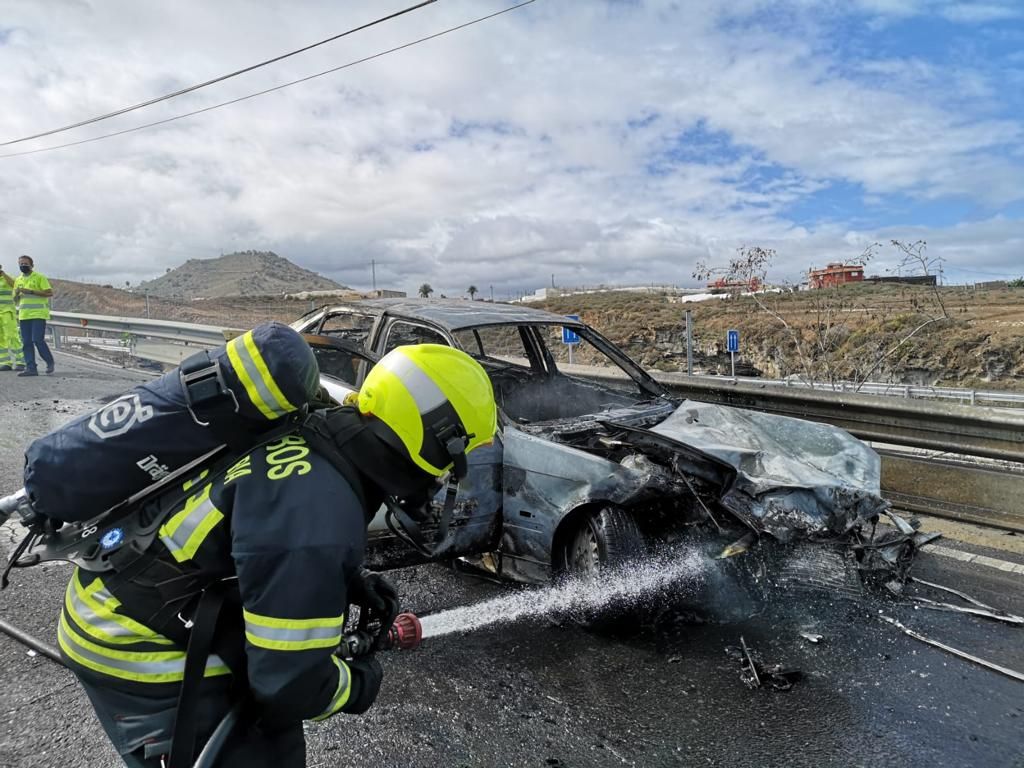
(11, 349)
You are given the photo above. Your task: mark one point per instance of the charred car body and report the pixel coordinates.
(595, 462)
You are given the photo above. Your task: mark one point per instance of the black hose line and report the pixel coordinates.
(35, 644)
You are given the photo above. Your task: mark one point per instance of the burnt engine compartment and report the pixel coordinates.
(527, 397)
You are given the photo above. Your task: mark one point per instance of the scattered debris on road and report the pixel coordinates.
(756, 674)
(949, 649)
(979, 609)
(811, 637)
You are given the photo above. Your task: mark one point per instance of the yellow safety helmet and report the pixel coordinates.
(436, 400)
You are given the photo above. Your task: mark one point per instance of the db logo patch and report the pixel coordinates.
(112, 538)
(118, 416)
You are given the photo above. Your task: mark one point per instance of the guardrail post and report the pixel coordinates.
(973, 397)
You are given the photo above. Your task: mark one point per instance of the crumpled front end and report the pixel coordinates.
(792, 478)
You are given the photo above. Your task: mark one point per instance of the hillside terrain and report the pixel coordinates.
(229, 311)
(246, 273)
(852, 333)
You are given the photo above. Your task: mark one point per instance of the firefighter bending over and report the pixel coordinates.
(274, 543)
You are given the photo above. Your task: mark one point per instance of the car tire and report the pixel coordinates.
(602, 540)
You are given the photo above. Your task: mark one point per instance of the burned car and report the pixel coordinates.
(595, 462)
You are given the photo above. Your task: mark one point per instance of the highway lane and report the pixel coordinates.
(533, 693)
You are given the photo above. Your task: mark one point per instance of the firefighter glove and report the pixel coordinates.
(377, 599)
(366, 675)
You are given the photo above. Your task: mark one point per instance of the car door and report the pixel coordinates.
(476, 518)
(343, 364)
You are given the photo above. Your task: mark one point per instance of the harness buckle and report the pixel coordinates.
(203, 384)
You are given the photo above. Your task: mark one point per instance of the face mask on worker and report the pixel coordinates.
(25, 268)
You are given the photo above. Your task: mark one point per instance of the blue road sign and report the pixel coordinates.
(569, 336)
(733, 341)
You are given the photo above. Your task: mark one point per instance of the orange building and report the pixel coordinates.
(835, 274)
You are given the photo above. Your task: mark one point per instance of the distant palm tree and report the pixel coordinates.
(426, 290)
(472, 291)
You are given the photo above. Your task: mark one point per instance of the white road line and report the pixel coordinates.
(967, 557)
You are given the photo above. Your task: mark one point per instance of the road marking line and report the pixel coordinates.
(967, 557)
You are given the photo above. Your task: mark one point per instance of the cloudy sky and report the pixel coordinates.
(601, 141)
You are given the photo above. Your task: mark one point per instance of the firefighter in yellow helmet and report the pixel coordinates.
(280, 533)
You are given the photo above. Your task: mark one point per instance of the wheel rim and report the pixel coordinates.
(585, 557)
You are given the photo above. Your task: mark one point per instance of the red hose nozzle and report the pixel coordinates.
(406, 633)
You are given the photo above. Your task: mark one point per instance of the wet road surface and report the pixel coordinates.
(534, 693)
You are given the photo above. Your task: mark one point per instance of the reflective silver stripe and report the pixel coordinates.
(423, 389)
(34, 303)
(160, 667)
(186, 530)
(298, 636)
(112, 631)
(292, 634)
(341, 693)
(254, 378)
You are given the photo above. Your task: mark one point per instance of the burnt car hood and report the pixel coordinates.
(792, 477)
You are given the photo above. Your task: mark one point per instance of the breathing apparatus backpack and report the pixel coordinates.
(215, 404)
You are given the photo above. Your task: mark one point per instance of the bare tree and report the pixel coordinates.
(913, 256)
(750, 267)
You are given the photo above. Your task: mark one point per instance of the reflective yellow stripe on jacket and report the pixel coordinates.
(292, 634)
(251, 369)
(341, 693)
(92, 635)
(186, 530)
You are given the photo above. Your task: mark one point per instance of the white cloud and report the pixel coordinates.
(497, 155)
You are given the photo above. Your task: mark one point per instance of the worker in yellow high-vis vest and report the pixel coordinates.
(32, 294)
(11, 355)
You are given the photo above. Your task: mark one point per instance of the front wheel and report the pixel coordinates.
(601, 542)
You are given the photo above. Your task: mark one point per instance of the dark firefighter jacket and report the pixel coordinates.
(293, 530)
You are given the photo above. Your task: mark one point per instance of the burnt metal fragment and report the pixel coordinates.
(756, 674)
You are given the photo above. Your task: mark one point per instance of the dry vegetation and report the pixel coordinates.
(847, 332)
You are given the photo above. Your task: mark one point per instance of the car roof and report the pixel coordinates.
(456, 314)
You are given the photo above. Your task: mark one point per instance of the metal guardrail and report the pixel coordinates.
(948, 427)
(908, 391)
(157, 329)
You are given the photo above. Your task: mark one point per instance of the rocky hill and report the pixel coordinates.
(246, 273)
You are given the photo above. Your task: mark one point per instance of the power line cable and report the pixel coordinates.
(220, 79)
(271, 90)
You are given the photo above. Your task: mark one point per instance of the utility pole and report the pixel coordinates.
(147, 302)
(689, 342)
(492, 294)
(373, 273)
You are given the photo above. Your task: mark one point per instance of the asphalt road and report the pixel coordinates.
(662, 692)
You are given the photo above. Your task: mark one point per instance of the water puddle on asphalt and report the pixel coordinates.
(635, 585)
